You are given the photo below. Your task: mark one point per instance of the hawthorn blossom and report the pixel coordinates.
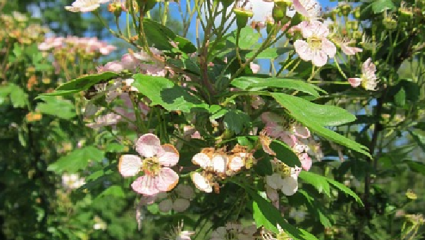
(284, 178)
(368, 79)
(344, 45)
(316, 48)
(158, 176)
(179, 202)
(308, 8)
(85, 5)
(236, 230)
(72, 181)
(177, 233)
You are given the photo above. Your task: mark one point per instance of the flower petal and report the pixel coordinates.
(290, 185)
(236, 163)
(202, 160)
(305, 160)
(181, 205)
(148, 145)
(303, 50)
(328, 47)
(201, 182)
(319, 58)
(165, 205)
(166, 179)
(129, 165)
(169, 156)
(219, 163)
(355, 82)
(274, 181)
(145, 185)
(301, 131)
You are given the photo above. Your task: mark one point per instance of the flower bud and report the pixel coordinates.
(345, 9)
(278, 13)
(115, 8)
(389, 23)
(357, 13)
(242, 16)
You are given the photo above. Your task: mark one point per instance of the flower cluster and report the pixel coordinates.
(217, 164)
(83, 46)
(368, 79)
(17, 27)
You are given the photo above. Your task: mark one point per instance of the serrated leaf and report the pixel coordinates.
(256, 84)
(236, 120)
(345, 189)
(265, 214)
(56, 107)
(315, 117)
(316, 209)
(317, 181)
(81, 84)
(77, 160)
(161, 91)
(18, 96)
(379, 6)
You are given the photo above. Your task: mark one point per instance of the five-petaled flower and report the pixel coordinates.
(85, 5)
(158, 176)
(368, 80)
(316, 48)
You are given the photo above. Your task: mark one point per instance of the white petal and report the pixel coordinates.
(303, 50)
(319, 58)
(275, 181)
(148, 145)
(201, 182)
(129, 165)
(202, 160)
(290, 185)
(219, 163)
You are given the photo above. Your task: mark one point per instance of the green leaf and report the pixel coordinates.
(345, 189)
(114, 191)
(159, 36)
(236, 120)
(379, 6)
(18, 96)
(419, 137)
(416, 166)
(247, 38)
(315, 117)
(81, 84)
(265, 214)
(316, 208)
(256, 84)
(57, 107)
(17, 50)
(77, 160)
(161, 91)
(285, 154)
(269, 53)
(317, 181)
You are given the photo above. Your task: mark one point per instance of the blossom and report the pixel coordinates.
(85, 5)
(72, 181)
(284, 178)
(368, 79)
(158, 176)
(308, 8)
(177, 233)
(344, 45)
(316, 48)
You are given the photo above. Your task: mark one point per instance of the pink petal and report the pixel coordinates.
(169, 156)
(301, 131)
(350, 50)
(328, 47)
(166, 179)
(145, 185)
(320, 58)
(299, 7)
(355, 82)
(306, 161)
(148, 145)
(303, 50)
(129, 165)
(320, 29)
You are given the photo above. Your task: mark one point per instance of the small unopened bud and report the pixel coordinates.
(278, 13)
(115, 8)
(389, 23)
(345, 9)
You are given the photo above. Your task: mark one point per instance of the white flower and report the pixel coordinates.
(368, 79)
(85, 5)
(177, 233)
(72, 181)
(308, 8)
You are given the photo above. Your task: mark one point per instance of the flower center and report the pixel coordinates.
(151, 166)
(314, 43)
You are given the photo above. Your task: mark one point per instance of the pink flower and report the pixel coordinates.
(255, 68)
(316, 48)
(158, 176)
(308, 8)
(114, 66)
(368, 79)
(85, 5)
